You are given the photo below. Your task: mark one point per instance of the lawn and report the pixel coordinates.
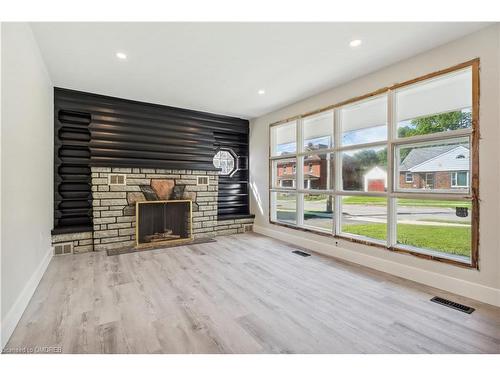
(447, 239)
(443, 238)
(379, 201)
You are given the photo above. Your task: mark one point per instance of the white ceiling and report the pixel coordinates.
(219, 67)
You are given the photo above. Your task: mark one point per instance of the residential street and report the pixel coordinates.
(356, 213)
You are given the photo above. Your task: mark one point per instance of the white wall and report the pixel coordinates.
(26, 170)
(484, 284)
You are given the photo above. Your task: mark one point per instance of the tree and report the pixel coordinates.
(434, 124)
(366, 159)
(437, 123)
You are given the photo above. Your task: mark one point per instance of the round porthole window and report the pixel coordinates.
(226, 161)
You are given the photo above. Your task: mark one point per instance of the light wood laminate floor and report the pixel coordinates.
(242, 294)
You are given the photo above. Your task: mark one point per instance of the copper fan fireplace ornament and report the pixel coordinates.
(162, 222)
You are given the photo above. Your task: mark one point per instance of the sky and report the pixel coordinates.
(366, 135)
(359, 136)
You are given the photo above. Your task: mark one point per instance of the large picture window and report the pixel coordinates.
(397, 169)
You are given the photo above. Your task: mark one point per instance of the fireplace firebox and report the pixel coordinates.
(161, 222)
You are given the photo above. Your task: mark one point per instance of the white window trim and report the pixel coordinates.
(409, 181)
(454, 175)
(393, 190)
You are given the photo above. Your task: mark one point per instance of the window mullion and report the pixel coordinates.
(433, 137)
(391, 167)
(362, 145)
(299, 173)
(337, 179)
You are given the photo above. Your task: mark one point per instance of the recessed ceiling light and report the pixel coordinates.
(261, 92)
(121, 55)
(355, 43)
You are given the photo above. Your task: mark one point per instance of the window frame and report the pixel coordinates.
(429, 176)
(456, 185)
(235, 159)
(410, 181)
(392, 192)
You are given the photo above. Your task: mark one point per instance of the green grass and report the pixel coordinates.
(451, 240)
(285, 197)
(379, 201)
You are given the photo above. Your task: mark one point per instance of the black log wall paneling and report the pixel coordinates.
(72, 177)
(97, 130)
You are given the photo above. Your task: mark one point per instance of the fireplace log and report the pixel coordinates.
(167, 235)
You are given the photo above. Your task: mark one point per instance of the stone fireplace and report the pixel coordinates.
(114, 205)
(116, 191)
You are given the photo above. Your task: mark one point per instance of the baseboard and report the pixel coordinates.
(15, 313)
(451, 284)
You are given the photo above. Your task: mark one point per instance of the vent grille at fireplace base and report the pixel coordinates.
(63, 248)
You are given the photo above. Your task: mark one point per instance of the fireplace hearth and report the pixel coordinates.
(159, 222)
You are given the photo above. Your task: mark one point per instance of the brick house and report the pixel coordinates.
(315, 172)
(437, 167)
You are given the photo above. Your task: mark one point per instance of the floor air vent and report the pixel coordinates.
(63, 248)
(453, 305)
(247, 228)
(301, 253)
